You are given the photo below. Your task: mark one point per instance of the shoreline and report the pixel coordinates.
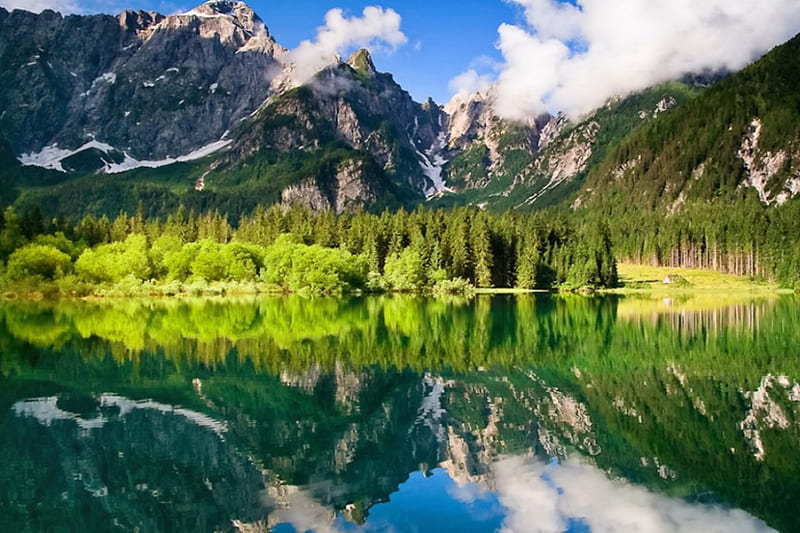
(644, 293)
(636, 280)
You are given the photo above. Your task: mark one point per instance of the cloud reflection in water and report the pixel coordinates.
(546, 498)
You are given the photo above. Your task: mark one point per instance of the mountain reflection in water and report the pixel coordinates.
(496, 413)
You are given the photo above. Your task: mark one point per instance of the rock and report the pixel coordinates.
(473, 122)
(361, 61)
(353, 187)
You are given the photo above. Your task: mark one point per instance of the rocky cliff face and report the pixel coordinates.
(137, 87)
(475, 129)
(353, 108)
(350, 187)
(472, 118)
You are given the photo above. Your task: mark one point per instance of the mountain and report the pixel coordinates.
(535, 165)
(740, 137)
(100, 92)
(487, 148)
(358, 136)
(209, 94)
(200, 109)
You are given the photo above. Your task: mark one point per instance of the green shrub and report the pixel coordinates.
(406, 271)
(110, 263)
(42, 261)
(453, 286)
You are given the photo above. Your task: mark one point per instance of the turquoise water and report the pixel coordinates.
(512, 413)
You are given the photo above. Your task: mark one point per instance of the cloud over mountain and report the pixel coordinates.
(573, 57)
(376, 28)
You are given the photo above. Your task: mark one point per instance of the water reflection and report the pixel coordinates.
(405, 413)
(576, 496)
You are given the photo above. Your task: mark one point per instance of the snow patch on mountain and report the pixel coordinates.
(108, 77)
(432, 163)
(52, 157)
(130, 163)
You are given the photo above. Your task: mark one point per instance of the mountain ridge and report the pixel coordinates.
(202, 108)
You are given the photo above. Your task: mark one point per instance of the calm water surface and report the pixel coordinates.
(497, 413)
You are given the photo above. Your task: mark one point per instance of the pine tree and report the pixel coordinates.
(481, 251)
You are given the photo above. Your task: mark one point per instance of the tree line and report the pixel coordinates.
(279, 249)
(743, 238)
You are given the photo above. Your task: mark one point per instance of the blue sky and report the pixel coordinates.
(444, 37)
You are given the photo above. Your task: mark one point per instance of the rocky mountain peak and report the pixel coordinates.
(361, 61)
(429, 104)
(471, 116)
(138, 89)
(239, 12)
(231, 22)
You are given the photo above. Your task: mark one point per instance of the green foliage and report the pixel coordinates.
(406, 271)
(210, 263)
(112, 262)
(298, 267)
(244, 261)
(297, 250)
(38, 261)
(745, 238)
(178, 262)
(11, 235)
(452, 286)
(469, 167)
(59, 241)
(691, 155)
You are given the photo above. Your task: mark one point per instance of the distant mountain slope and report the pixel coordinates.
(741, 136)
(544, 163)
(351, 138)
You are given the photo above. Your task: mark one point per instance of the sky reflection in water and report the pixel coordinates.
(530, 496)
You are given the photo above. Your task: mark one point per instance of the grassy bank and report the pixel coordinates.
(650, 279)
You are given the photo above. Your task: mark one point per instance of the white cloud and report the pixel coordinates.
(37, 6)
(483, 70)
(573, 58)
(470, 82)
(542, 498)
(377, 28)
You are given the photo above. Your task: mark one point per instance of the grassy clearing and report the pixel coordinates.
(642, 278)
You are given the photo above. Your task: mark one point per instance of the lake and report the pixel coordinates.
(398, 413)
